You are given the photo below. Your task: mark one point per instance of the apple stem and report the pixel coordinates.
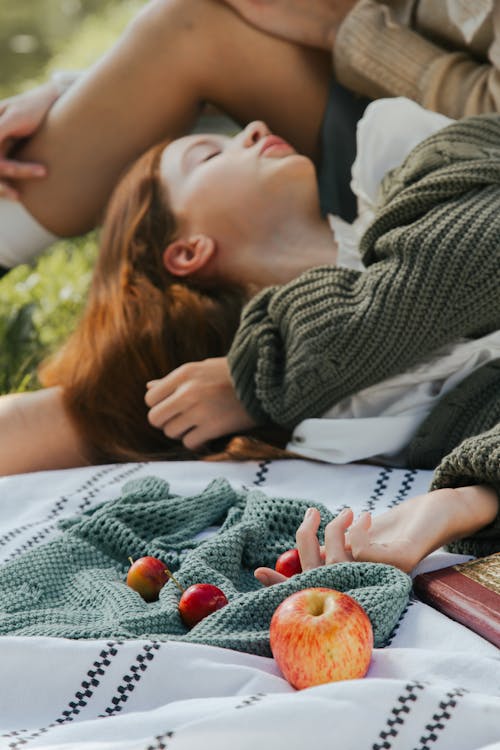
(174, 579)
(131, 560)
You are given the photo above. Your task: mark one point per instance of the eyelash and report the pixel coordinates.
(211, 156)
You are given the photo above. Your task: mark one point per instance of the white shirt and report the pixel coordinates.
(379, 422)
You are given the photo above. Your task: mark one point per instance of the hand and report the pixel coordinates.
(364, 540)
(336, 547)
(20, 117)
(311, 22)
(196, 403)
(401, 536)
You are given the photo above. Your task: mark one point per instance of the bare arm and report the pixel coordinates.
(36, 434)
(311, 22)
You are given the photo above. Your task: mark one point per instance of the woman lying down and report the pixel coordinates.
(221, 304)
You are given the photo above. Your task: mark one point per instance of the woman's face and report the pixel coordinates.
(236, 189)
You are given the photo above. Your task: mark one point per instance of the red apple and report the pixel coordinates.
(288, 564)
(147, 576)
(320, 635)
(200, 600)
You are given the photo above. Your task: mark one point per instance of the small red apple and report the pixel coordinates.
(288, 564)
(147, 576)
(200, 600)
(321, 635)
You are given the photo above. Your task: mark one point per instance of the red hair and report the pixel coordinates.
(139, 324)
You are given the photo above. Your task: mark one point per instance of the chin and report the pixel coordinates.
(292, 170)
(296, 177)
(300, 161)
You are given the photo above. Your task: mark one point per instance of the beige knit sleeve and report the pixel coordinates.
(475, 461)
(378, 55)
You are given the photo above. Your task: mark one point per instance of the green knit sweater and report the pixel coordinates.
(74, 586)
(433, 259)
(433, 276)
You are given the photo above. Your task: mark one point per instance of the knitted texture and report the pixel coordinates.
(433, 257)
(470, 408)
(375, 56)
(475, 461)
(394, 49)
(74, 586)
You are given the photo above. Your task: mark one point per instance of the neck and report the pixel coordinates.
(293, 247)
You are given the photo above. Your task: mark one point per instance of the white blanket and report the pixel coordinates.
(436, 685)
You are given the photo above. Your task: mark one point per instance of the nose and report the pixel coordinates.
(254, 132)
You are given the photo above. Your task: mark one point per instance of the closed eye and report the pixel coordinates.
(211, 156)
(199, 152)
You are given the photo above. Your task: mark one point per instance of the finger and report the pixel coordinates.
(197, 437)
(335, 545)
(165, 387)
(7, 192)
(179, 426)
(158, 392)
(268, 576)
(169, 408)
(211, 424)
(16, 170)
(307, 540)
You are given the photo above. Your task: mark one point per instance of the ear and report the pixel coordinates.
(186, 257)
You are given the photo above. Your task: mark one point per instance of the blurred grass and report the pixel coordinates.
(39, 307)
(40, 303)
(57, 47)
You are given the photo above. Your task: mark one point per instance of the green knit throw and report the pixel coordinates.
(74, 586)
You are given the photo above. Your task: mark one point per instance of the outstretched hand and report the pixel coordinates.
(197, 403)
(20, 117)
(345, 541)
(311, 22)
(401, 536)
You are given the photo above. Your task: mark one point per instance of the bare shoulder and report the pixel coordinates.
(37, 434)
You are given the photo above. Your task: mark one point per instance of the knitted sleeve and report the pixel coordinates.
(433, 257)
(377, 54)
(475, 461)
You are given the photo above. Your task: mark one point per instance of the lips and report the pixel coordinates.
(272, 141)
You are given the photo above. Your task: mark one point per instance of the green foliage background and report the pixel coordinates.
(40, 303)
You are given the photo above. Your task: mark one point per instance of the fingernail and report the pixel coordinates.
(309, 512)
(343, 513)
(263, 579)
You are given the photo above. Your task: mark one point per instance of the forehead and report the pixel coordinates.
(178, 146)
